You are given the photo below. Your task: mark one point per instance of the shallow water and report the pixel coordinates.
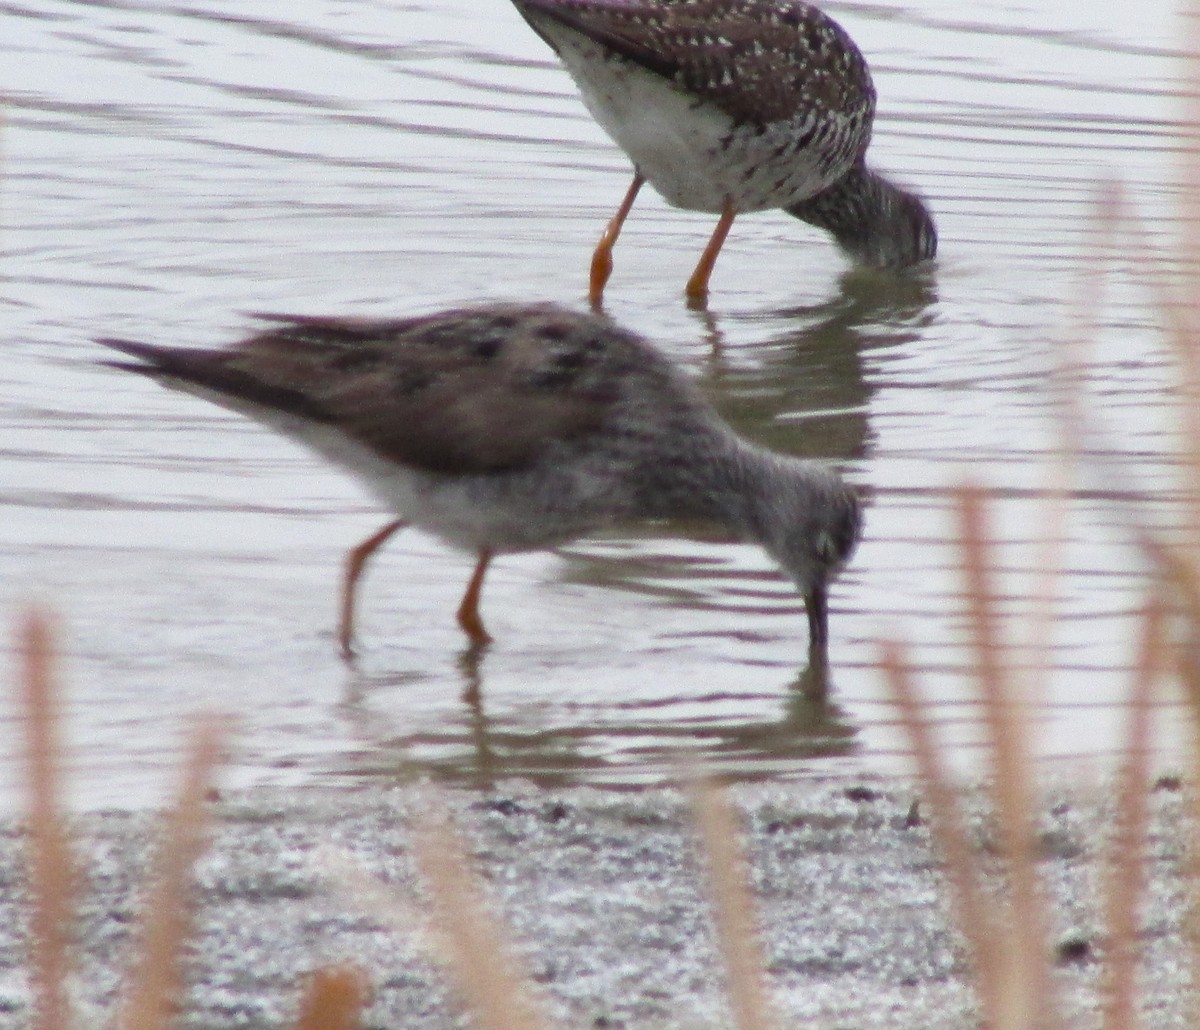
(167, 168)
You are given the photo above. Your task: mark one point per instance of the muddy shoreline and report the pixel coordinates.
(604, 893)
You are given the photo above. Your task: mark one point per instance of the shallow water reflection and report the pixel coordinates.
(168, 168)
(628, 744)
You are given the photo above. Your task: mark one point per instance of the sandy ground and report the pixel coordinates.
(604, 893)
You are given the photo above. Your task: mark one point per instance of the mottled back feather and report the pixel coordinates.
(757, 61)
(458, 393)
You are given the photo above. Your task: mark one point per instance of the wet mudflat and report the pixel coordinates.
(606, 900)
(169, 168)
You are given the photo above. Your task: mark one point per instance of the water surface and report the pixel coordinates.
(169, 168)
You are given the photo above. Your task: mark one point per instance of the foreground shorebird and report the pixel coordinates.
(731, 106)
(518, 427)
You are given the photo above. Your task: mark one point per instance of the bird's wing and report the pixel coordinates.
(757, 61)
(458, 393)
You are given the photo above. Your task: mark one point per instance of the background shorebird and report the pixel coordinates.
(735, 105)
(517, 427)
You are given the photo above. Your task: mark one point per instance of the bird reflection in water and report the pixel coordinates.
(634, 744)
(813, 371)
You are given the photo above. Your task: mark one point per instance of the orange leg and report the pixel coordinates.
(468, 611)
(602, 262)
(697, 285)
(355, 560)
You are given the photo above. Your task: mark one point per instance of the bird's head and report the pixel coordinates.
(814, 530)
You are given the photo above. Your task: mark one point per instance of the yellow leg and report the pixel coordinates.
(602, 262)
(697, 285)
(468, 611)
(355, 560)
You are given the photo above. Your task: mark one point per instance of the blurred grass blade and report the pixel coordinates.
(1181, 323)
(1183, 579)
(1127, 868)
(51, 875)
(482, 964)
(1189, 91)
(977, 916)
(1028, 990)
(1191, 926)
(1063, 470)
(1186, 341)
(334, 999)
(1187, 665)
(156, 983)
(733, 908)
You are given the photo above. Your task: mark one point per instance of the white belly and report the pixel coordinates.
(691, 153)
(500, 512)
(469, 512)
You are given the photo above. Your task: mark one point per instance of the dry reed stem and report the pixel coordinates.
(1177, 303)
(1029, 992)
(483, 967)
(1187, 667)
(1127, 864)
(1048, 575)
(1182, 330)
(978, 918)
(1179, 568)
(334, 999)
(1186, 342)
(1183, 579)
(51, 876)
(733, 908)
(1189, 246)
(155, 985)
(1063, 469)
(1191, 865)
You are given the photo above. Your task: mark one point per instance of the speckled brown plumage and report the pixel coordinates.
(758, 62)
(732, 106)
(515, 427)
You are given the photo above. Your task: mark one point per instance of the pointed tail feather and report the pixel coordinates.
(215, 373)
